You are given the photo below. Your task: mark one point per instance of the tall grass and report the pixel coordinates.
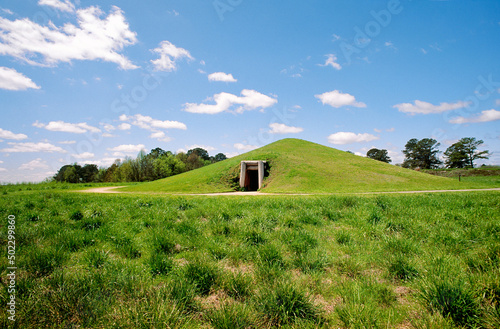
(427, 260)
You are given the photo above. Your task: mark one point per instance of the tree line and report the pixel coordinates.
(423, 154)
(145, 167)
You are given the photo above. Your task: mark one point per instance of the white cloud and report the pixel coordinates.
(337, 99)
(342, 138)
(420, 107)
(108, 127)
(205, 147)
(34, 164)
(3, 169)
(67, 142)
(7, 11)
(497, 102)
(32, 147)
(75, 128)
(84, 155)
(280, 128)
(127, 149)
(169, 54)
(94, 38)
(221, 76)
(124, 126)
(249, 100)
(58, 4)
(244, 147)
(332, 61)
(335, 37)
(148, 123)
(10, 79)
(485, 116)
(390, 130)
(10, 135)
(160, 136)
(1, 161)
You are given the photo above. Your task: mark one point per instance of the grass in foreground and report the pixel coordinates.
(423, 261)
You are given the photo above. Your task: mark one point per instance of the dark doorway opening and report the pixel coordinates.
(253, 180)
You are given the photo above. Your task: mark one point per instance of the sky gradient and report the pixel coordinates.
(92, 82)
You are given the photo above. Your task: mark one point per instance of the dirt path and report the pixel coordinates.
(108, 189)
(111, 189)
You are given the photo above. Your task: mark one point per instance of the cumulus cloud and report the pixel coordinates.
(5, 134)
(343, 137)
(10, 79)
(92, 39)
(67, 142)
(221, 76)
(124, 126)
(31, 148)
(148, 123)
(485, 116)
(121, 150)
(244, 147)
(331, 60)
(84, 155)
(160, 136)
(280, 128)
(169, 54)
(34, 164)
(75, 128)
(420, 107)
(249, 100)
(337, 99)
(65, 5)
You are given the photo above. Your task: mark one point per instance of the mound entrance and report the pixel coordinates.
(252, 174)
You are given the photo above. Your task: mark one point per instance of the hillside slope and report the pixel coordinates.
(298, 166)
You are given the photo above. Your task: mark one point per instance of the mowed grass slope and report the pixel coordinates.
(298, 166)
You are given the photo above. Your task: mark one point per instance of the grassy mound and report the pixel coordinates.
(298, 166)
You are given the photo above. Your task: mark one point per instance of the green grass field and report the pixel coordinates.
(298, 166)
(159, 261)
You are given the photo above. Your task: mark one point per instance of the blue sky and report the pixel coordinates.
(90, 82)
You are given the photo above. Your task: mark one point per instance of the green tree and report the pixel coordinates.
(202, 153)
(380, 155)
(464, 152)
(421, 154)
(220, 157)
(70, 175)
(89, 173)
